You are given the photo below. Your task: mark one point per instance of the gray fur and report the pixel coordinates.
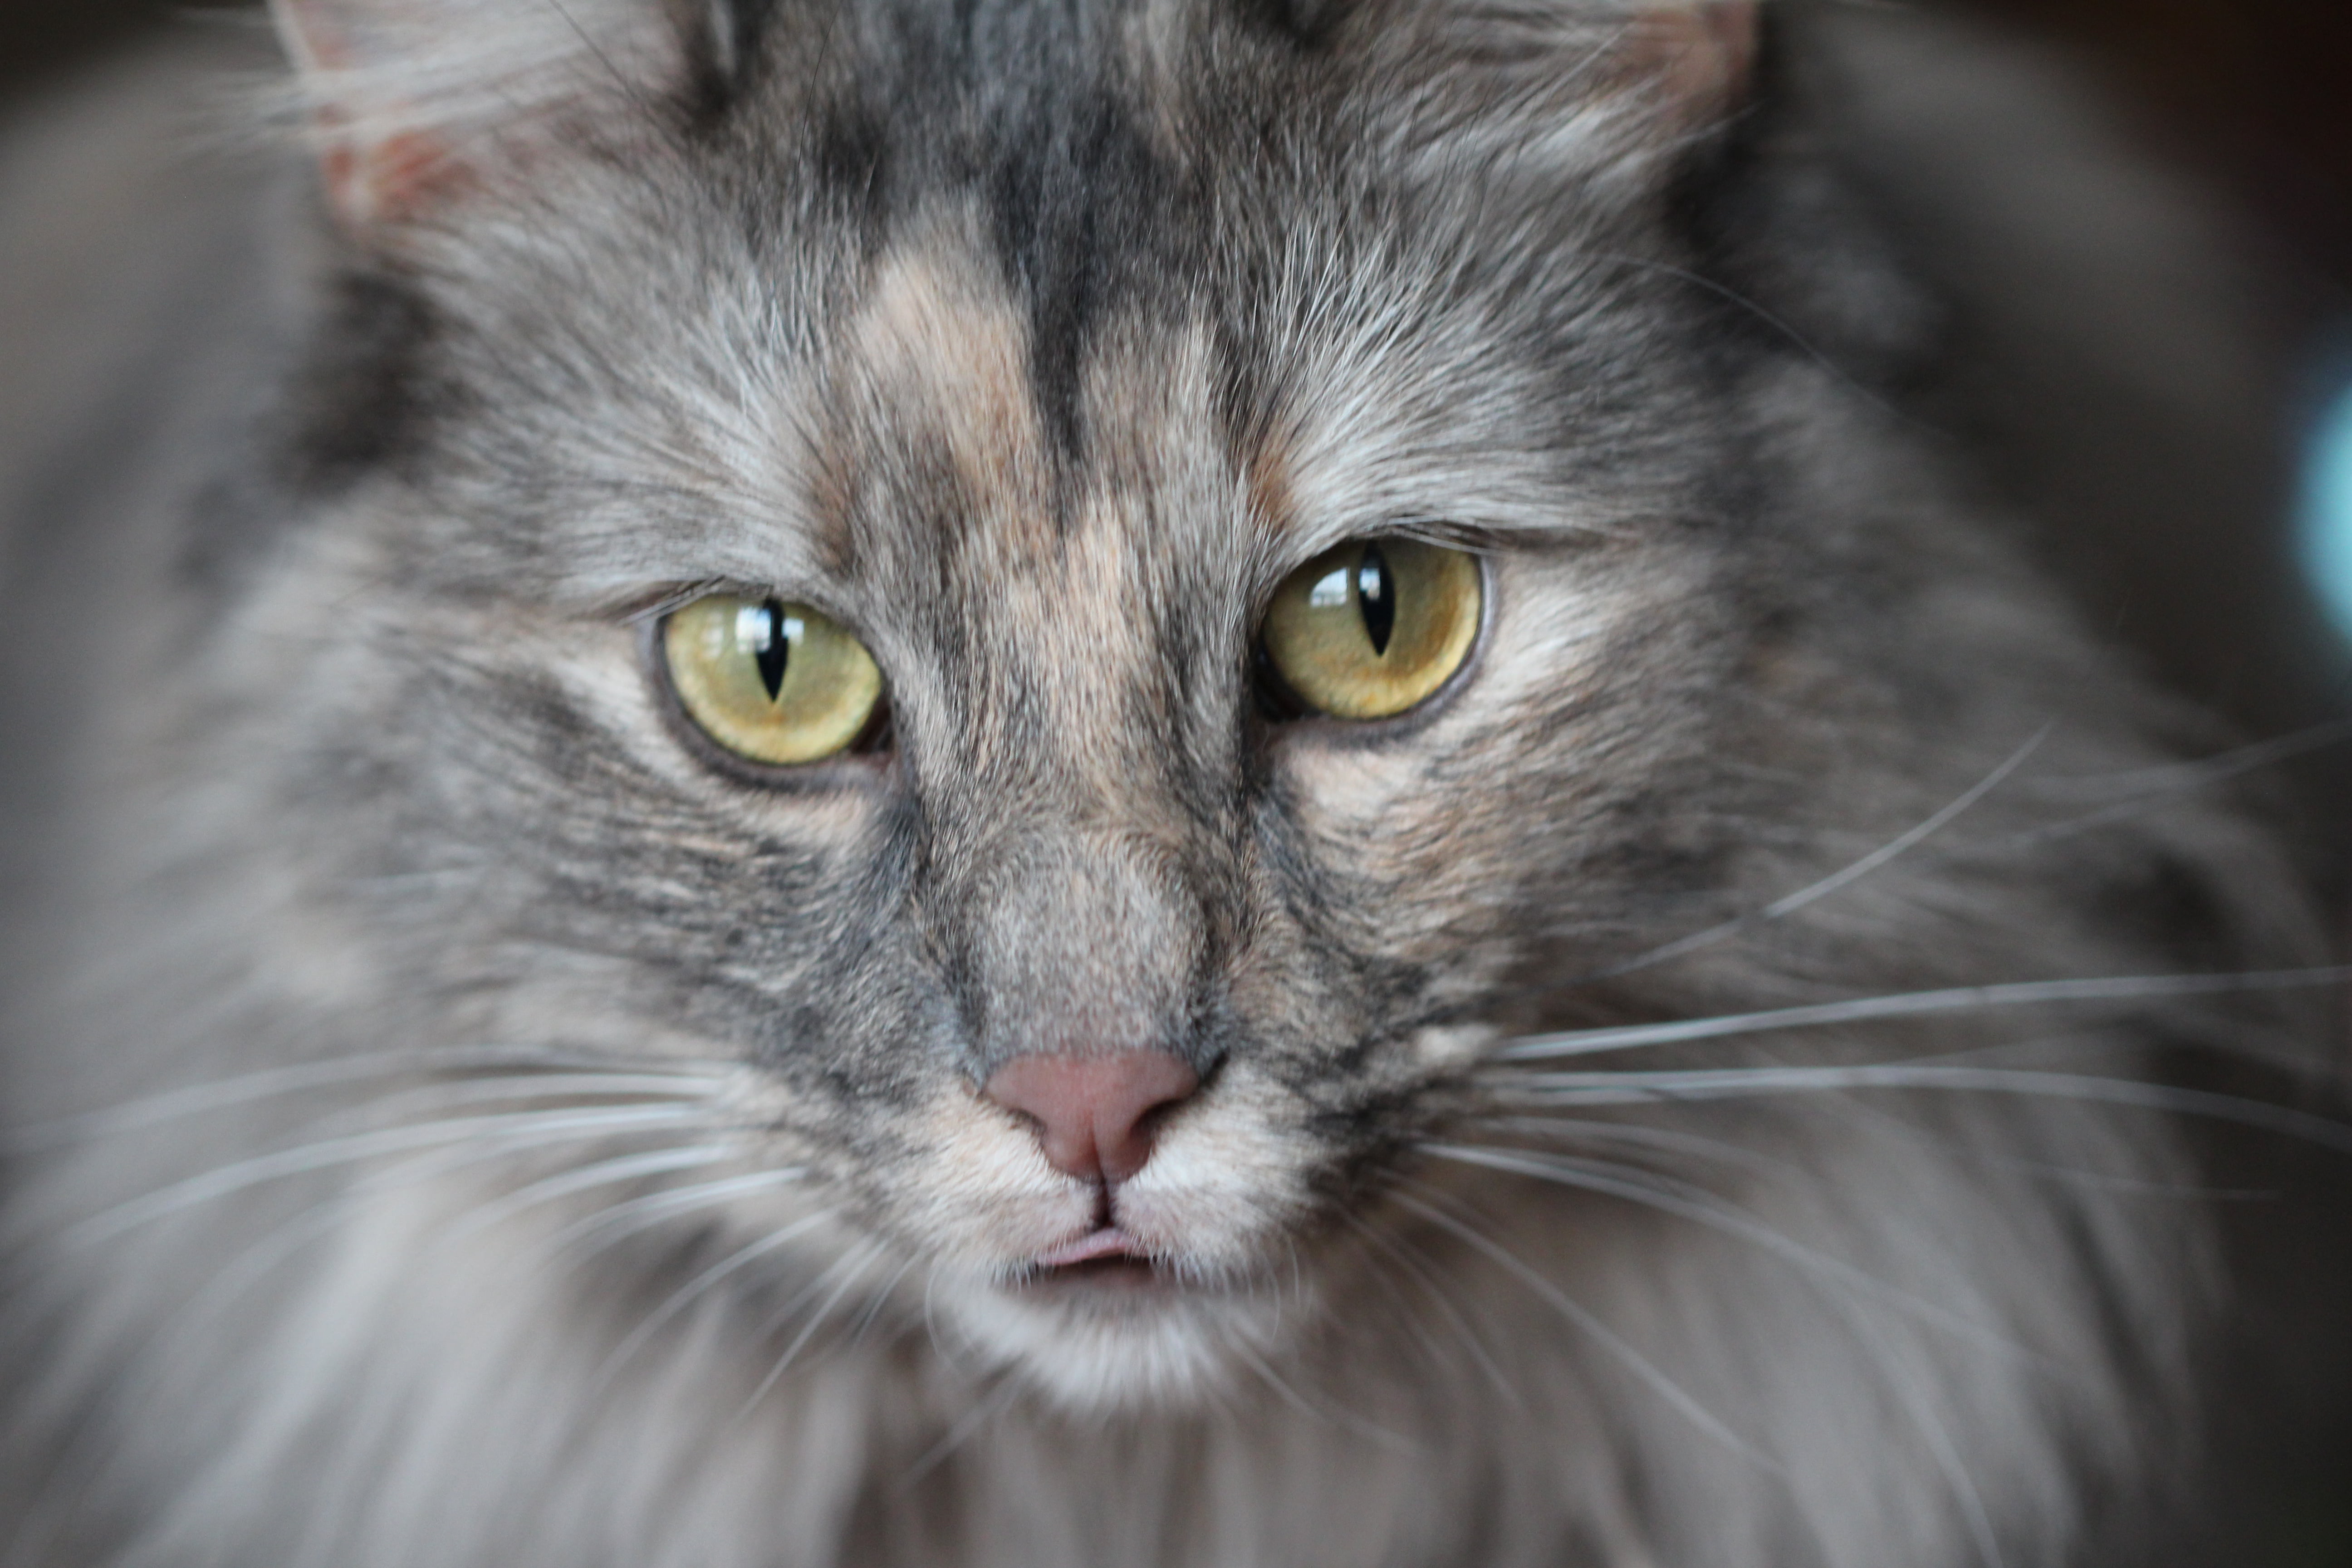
(1039, 344)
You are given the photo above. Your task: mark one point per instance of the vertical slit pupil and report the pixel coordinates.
(1376, 597)
(775, 649)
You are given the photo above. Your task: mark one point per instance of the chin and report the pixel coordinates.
(1129, 1337)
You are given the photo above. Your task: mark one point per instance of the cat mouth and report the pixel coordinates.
(1106, 1257)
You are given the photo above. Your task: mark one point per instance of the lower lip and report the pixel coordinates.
(1103, 1273)
(1105, 1258)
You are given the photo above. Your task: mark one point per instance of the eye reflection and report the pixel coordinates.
(771, 630)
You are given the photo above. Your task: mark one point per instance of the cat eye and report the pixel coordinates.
(769, 681)
(1374, 629)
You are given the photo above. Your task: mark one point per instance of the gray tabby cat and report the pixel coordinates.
(1062, 783)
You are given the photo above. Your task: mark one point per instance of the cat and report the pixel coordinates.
(1063, 782)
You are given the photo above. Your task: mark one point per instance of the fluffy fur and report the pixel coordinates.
(462, 1126)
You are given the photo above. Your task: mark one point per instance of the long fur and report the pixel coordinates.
(458, 1125)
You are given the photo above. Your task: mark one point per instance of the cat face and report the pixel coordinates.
(1041, 394)
(843, 844)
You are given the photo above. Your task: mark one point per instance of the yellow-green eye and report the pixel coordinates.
(1373, 629)
(772, 683)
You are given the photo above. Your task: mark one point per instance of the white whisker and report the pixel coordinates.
(2181, 778)
(1318, 1410)
(1919, 1003)
(1423, 1275)
(852, 1268)
(250, 1265)
(881, 1297)
(1899, 1375)
(326, 1155)
(1623, 1353)
(1708, 1209)
(1740, 1083)
(245, 1089)
(622, 1220)
(2152, 789)
(940, 1347)
(694, 1289)
(1834, 883)
(968, 1425)
(508, 1088)
(568, 1183)
(1663, 1140)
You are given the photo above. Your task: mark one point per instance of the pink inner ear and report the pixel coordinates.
(389, 178)
(367, 180)
(1699, 54)
(372, 176)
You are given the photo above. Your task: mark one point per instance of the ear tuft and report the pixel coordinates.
(1699, 56)
(409, 101)
(1591, 83)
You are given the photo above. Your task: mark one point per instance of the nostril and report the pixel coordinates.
(1095, 1116)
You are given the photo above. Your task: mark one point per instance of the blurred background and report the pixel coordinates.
(2238, 593)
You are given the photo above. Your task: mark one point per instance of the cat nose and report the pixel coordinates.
(1093, 1114)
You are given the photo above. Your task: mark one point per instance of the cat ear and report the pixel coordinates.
(1594, 82)
(411, 100)
(1694, 62)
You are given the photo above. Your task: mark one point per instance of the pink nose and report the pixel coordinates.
(1093, 1114)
